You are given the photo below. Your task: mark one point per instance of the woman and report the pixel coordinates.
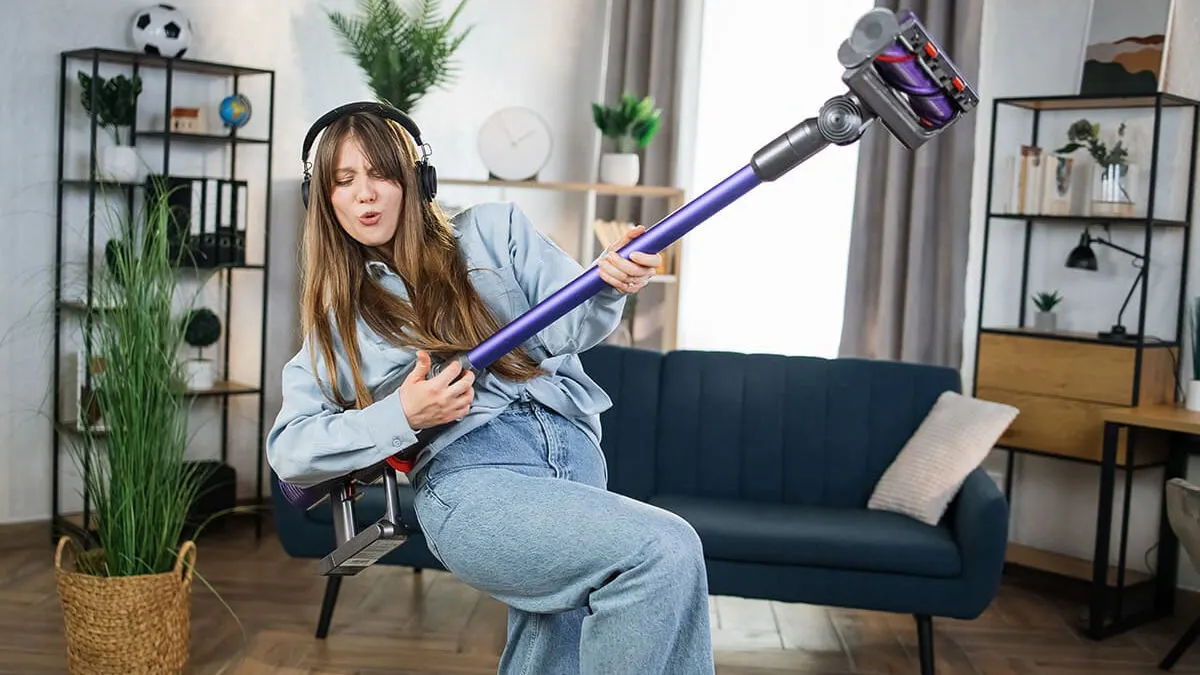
(512, 497)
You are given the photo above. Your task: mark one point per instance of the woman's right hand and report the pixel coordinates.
(440, 399)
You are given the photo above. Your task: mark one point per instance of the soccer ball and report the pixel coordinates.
(161, 30)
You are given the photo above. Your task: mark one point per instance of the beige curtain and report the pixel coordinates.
(906, 279)
(642, 60)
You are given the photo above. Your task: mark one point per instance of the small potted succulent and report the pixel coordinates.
(1045, 318)
(203, 330)
(632, 124)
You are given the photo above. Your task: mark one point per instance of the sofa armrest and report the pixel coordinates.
(980, 526)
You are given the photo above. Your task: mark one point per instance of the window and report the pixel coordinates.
(768, 272)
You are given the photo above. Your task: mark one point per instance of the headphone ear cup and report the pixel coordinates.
(428, 181)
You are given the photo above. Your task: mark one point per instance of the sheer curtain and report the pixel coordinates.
(768, 273)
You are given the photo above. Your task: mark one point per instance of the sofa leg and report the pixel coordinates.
(925, 642)
(1181, 646)
(332, 586)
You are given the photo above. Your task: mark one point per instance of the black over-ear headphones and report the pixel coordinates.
(426, 174)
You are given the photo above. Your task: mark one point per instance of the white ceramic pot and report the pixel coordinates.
(118, 163)
(620, 168)
(1046, 321)
(1192, 402)
(201, 374)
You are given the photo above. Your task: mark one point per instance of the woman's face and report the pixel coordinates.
(367, 204)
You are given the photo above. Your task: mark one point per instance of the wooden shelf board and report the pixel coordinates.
(1065, 565)
(1151, 342)
(572, 186)
(149, 61)
(1132, 221)
(1092, 102)
(183, 137)
(225, 387)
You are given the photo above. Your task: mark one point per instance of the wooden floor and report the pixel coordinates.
(392, 621)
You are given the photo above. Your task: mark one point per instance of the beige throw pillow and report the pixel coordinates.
(952, 441)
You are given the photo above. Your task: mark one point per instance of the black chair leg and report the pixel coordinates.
(1180, 647)
(332, 586)
(925, 642)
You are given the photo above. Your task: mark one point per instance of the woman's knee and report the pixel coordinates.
(676, 547)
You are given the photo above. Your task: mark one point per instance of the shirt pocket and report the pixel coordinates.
(500, 291)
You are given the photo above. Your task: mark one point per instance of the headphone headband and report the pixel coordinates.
(426, 176)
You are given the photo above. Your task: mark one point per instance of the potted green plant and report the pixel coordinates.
(126, 596)
(203, 329)
(1045, 318)
(631, 124)
(114, 109)
(403, 54)
(1112, 178)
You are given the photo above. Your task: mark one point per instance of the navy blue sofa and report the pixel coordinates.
(772, 459)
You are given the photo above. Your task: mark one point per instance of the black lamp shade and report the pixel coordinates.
(1082, 257)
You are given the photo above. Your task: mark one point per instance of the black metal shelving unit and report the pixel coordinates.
(65, 309)
(1113, 606)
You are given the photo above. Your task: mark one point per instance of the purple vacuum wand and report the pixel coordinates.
(895, 73)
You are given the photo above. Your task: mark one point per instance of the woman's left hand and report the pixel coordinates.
(632, 275)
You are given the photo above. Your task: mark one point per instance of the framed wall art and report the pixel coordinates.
(1126, 47)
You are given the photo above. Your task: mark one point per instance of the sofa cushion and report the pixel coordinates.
(953, 439)
(817, 536)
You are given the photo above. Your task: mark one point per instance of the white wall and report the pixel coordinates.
(1034, 48)
(537, 53)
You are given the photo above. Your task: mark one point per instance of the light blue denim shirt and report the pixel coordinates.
(513, 266)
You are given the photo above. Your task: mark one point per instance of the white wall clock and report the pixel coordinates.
(515, 144)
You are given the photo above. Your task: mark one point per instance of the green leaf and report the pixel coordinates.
(404, 55)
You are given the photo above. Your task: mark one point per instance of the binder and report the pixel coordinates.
(207, 219)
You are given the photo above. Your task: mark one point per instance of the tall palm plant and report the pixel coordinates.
(404, 54)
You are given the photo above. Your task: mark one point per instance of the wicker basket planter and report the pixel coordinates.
(130, 624)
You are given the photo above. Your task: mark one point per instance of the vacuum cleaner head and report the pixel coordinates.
(900, 74)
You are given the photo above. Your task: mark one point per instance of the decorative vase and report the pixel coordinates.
(1192, 402)
(1047, 321)
(1056, 187)
(201, 374)
(130, 624)
(1113, 190)
(118, 163)
(620, 168)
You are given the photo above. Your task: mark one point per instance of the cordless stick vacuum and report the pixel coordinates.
(895, 72)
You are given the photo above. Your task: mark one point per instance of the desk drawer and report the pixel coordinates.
(1067, 427)
(1075, 369)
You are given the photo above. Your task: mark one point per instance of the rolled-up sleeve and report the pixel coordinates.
(542, 268)
(312, 440)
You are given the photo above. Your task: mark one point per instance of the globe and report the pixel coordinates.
(235, 110)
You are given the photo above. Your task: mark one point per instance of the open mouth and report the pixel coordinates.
(369, 217)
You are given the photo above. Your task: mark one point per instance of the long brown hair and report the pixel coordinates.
(444, 315)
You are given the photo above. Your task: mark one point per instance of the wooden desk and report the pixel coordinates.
(1162, 417)
(1180, 428)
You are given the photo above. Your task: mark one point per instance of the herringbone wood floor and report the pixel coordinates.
(392, 621)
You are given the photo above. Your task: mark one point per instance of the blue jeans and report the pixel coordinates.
(595, 582)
